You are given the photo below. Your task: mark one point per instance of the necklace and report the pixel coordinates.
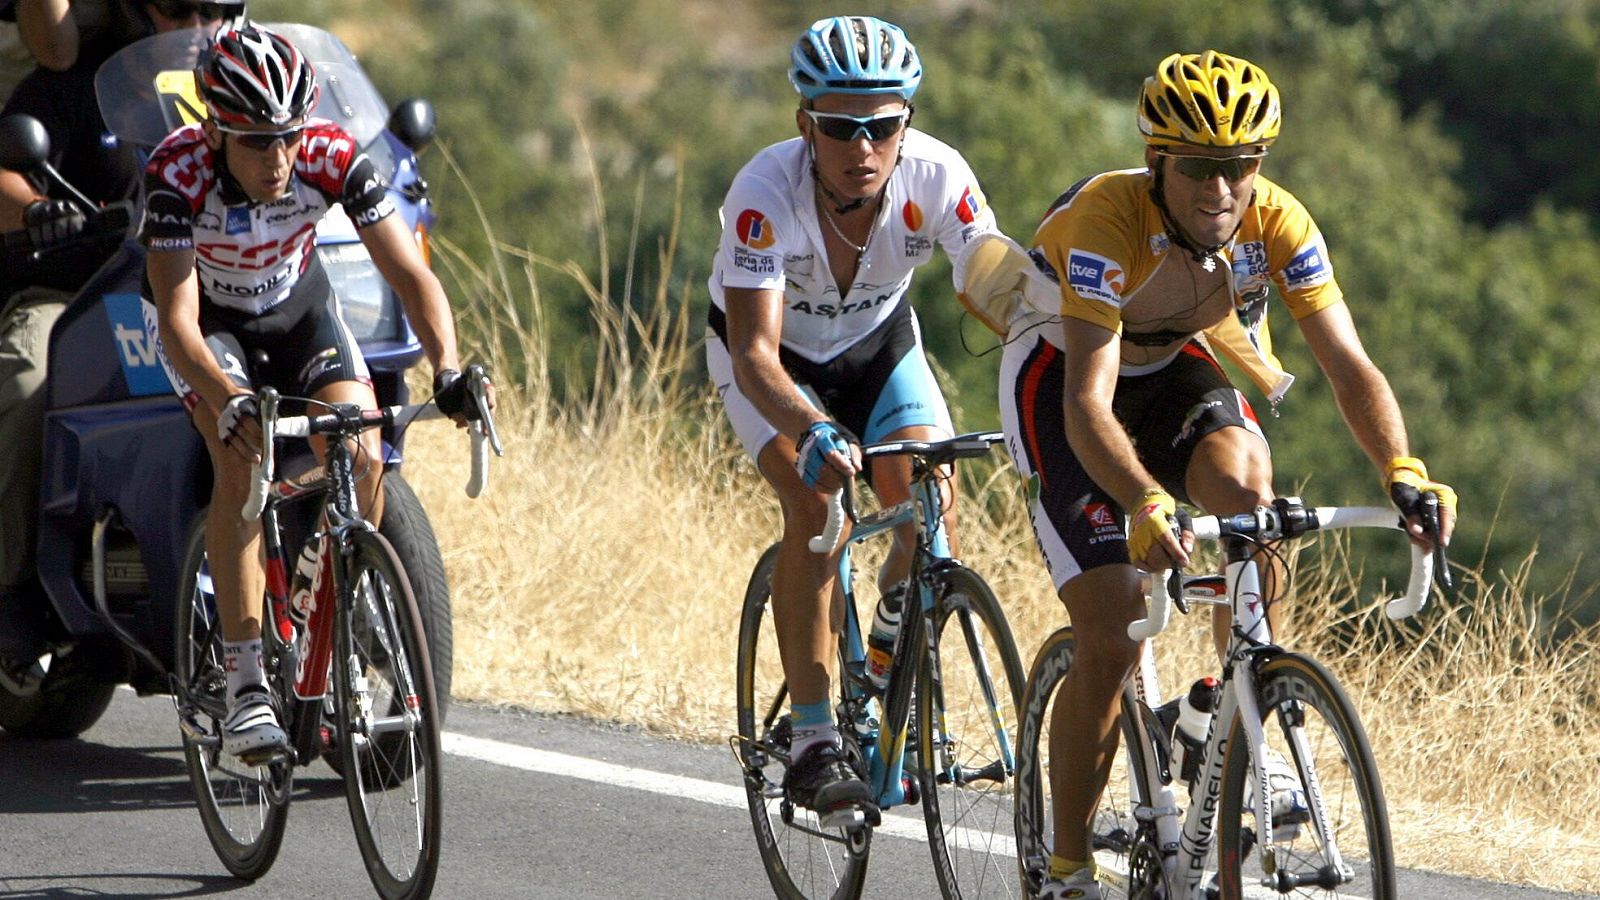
(862, 248)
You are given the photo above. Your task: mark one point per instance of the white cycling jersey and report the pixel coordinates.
(772, 239)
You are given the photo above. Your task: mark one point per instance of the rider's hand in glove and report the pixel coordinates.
(50, 222)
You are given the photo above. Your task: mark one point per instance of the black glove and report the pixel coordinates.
(451, 395)
(50, 222)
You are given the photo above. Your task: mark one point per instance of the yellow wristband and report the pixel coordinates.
(1404, 464)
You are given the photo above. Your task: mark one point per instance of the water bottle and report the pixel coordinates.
(1194, 722)
(880, 641)
(302, 588)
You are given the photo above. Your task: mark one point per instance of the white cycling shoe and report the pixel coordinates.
(1080, 885)
(252, 728)
(1289, 807)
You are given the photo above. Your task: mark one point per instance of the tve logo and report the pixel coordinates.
(1309, 267)
(141, 365)
(1094, 277)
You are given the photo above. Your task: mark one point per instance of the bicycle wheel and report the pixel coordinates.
(244, 808)
(387, 720)
(802, 859)
(1309, 721)
(968, 693)
(1126, 854)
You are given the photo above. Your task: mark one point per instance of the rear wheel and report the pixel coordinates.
(968, 693)
(1310, 723)
(244, 808)
(410, 533)
(1126, 855)
(388, 721)
(803, 860)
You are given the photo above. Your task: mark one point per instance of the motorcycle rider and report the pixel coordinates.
(105, 172)
(232, 274)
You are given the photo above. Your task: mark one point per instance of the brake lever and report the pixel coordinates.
(476, 379)
(1433, 524)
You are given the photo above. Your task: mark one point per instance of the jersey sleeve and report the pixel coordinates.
(758, 225)
(331, 162)
(1297, 257)
(1090, 251)
(965, 213)
(174, 179)
(366, 194)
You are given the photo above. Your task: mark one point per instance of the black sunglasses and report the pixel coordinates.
(262, 141)
(183, 9)
(843, 127)
(1205, 168)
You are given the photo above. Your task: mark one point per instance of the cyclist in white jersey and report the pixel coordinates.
(806, 367)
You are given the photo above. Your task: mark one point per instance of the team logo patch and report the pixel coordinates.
(1094, 277)
(1309, 267)
(911, 214)
(1249, 268)
(238, 220)
(970, 205)
(1100, 515)
(754, 231)
(1159, 243)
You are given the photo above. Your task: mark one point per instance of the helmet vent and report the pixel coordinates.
(1222, 92)
(1181, 111)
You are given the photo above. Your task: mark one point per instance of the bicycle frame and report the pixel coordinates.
(886, 763)
(1184, 851)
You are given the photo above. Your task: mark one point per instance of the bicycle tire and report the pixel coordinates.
(244, 809)
(410, 532)
(1302, 696)
(387, 720)
(800, 864)
(968, 692)
(1125, 854)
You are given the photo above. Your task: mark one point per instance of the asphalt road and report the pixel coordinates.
(536, 807)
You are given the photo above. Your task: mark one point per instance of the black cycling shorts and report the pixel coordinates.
(1079, 526)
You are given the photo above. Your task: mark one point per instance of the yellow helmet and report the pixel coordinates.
(1208, 99)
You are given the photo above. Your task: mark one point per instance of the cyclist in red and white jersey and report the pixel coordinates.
(814, 342)
(236, 297)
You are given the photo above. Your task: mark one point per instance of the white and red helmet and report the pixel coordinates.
(252, 76)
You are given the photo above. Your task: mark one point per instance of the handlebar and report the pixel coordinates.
(1288, 518)
(928, 454)
(349, 422)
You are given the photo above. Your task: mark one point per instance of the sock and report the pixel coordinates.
(242, 662)
(1062, 868)
(813, 725)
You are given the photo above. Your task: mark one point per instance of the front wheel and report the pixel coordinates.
(803, 860)
(1338, 844)
(243, 808)
(387, 718)
(968, 693)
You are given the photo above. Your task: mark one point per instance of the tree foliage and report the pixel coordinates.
(1435, 141)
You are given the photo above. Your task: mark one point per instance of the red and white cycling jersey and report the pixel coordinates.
(772, 239)
(249, 255)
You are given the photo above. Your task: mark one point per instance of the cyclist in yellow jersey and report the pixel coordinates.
(1136, 278)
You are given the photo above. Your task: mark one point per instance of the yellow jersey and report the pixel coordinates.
(1104, 240)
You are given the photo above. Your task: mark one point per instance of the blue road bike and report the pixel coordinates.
(939, 733)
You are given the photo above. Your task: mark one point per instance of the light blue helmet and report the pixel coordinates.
(854, 55)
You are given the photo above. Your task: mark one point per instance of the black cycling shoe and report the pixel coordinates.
(823, 782)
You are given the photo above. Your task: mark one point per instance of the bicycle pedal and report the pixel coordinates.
(266, 757)
(851, 818)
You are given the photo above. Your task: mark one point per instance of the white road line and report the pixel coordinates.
(530, 759)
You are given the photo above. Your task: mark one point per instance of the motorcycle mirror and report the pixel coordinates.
(24, 144)
(413, 122)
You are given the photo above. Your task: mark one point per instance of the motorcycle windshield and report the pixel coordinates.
(146, 91)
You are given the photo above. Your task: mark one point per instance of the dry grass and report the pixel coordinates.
(602, 576)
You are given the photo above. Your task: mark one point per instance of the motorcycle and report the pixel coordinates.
(125, 477)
